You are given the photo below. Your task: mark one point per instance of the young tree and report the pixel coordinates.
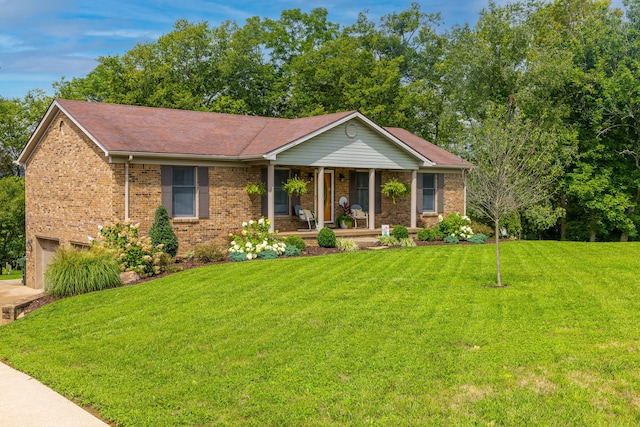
(515, 166)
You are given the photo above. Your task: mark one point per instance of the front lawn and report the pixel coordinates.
(398, 337)
(15, 274)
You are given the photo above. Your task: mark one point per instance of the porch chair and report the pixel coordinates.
(305, 215)
(359, 214)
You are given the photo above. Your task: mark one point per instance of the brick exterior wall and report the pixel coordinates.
(68, 189)
(71, 188)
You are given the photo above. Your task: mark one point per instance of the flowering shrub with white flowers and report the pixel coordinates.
(134, 253)
(254, 238)
(455, 225)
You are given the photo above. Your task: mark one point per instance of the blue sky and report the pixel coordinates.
(44, 40)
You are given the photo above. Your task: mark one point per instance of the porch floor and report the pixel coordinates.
(351, 233)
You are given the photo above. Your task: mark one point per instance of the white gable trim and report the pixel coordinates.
(272, 155)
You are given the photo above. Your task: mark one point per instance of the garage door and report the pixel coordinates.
(45, 250)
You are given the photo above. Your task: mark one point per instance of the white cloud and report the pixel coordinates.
(124, 34)
(10, 44)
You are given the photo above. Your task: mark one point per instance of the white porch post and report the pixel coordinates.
(271, 209)
(414, 198)
(464, 185)
(372, 199)
(320, 212)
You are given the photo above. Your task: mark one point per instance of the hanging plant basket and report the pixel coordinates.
(255, 188)
(295, 186)
(394, 189)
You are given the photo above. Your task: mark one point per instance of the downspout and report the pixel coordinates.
(126, 187)
(464, 186)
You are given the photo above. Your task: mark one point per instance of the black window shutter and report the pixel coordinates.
(264, 200)
(378, 190)
(203, 192)
(352, 187)
(295, 199)
(419, 193)
(440, 179)
(166, 179)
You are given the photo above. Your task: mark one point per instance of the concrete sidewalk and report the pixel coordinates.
(26, 402)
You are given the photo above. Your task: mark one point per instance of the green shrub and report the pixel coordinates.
(481, 228)
(451, 239)
(238, 256)
(296, 241)
(133, 253)
(478, 238)
(326, 238)
(407, 242)
(400, 232)
(292, 251)
(268, 254)
(347, 245)
(74, 272)
(255, 237)
(161, 232)
(208, 252)
(427, 235)
(456, 224)
(388, 241)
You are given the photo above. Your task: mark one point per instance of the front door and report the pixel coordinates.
(328, 196)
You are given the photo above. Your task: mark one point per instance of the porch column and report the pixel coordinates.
(414, 198)
(320, 203)
(271, 209)
(372, 199)
(464, 185)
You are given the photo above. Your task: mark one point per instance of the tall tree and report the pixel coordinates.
(12, 218)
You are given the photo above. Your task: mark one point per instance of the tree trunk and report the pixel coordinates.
(498, 277)
(624, 237)
(592, 227)
(563, 222)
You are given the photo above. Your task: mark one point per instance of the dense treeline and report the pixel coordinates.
(569, 66)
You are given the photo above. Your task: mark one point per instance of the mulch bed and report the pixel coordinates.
(187, 264)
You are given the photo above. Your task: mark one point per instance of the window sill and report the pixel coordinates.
(186, 220)
(429, 213)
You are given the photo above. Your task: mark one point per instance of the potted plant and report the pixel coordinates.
(295, 186)
(255, 188)
(394, 188)
(345, 219)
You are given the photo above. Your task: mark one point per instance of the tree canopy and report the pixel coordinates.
(569, 66)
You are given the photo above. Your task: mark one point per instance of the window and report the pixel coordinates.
(428, 192)
(184, 191)
(280, 197)
(362, 191)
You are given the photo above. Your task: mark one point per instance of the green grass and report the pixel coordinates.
(398, 337)
(15, 274)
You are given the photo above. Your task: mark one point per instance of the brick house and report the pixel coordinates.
(88, 163)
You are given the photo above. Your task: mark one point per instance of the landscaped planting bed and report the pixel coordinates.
(410, 336)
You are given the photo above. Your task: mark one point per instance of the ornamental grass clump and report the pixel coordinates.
(347, 245)
(75, 272)
(407, 242)
(133, 253)
(254, 238)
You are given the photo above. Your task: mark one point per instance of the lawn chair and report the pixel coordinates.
(305, 215)
(359, 214)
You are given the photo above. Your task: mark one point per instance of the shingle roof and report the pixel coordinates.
(134, 129)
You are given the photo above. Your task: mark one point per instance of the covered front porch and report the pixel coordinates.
(329, 187)
(310, 236)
